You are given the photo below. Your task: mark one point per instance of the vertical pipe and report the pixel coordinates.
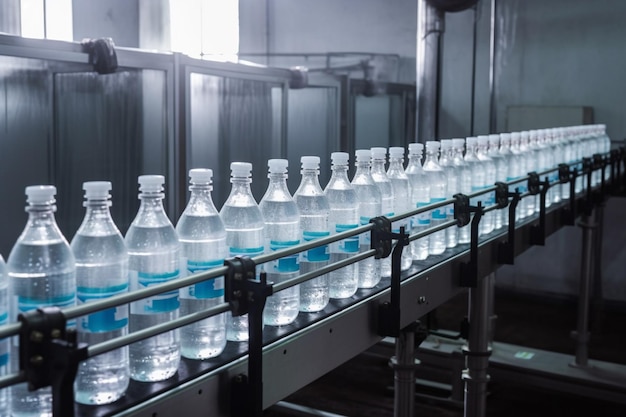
(429, 29)
(477, 351)
(404, 374)
(597, 292)
(582, 327)
(493, 121)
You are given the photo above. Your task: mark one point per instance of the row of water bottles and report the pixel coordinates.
(44, 270)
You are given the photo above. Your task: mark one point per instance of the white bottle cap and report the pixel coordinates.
(339, 158)
(494, 139)
(524, 135)
(432, 145)
(416, 147)
(396, 152)
(445, 143)
(363, 154)
(515, 136)
(97, 190)
(310, 162)
(201, 175)
(240, 169)
(277, 166)
(471, 141)
(483, 140)
(378, 153)
(458, 142)
(505, 137)
(151, 183)
(39, 194)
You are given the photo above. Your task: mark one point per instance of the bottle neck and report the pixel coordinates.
(396, 164)
(362, 168)
(378, 166)
(431, 157)
(310, 177)
(240, 185)
(201, 196)
(339, 173)
(41, 214)
(415, 160)
(278, 183)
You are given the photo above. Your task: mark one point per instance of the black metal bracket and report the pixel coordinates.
(462, 211)
(615, 168)
(534, 183)
(389, 311)
(600, 163)
(49, 355)
(246, 295)
(588, 202)
(102, 54)
(381, 237)
(538, 231)
(502, 195)
(506, 250)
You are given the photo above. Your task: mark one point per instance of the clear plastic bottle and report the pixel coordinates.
(401, 204)
(438, 191)
(203, 247)
(4, 343)
(504, 170)
(446, 162)
(42, 273)
(517, 171)
(379, 175)
(244, 233)
(314, 211)
(527, 203)
(500, 175)
(489, 168)
(344, 215)
(282, 230)
(538, 156)
(370, 205)
(154, 258)
(101, 272)
(420, 197)
(557, 158)
(465, 182)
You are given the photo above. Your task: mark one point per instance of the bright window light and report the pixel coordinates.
(205, 28)
(47, 19)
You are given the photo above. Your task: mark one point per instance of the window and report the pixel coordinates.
(47, 19)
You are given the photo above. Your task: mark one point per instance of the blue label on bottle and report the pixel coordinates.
(161, 303)
(4, 354)
(423, 219)
(251, 252)
(288, 263)
(211, 288)
(350, 244)
(440, 213)
(390, 214)
(26, 304)
(114, 318)
(319, 254)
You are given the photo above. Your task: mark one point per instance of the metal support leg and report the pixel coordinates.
(477, 351)
(404, 364)
(491, 282)
(581, 335)
(597, 298)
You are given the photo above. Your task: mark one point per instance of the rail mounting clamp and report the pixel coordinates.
(564, 173)
(381, 237)
(49, 355)
(506, 250)
(469, 270)
(534, 183)
(241, 286)
(461, 209)
(502, 195)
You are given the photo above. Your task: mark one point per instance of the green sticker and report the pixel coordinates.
(524, 355)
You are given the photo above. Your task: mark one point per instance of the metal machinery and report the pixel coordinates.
(248, 378)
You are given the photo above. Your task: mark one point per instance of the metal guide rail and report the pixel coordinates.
(277, 361)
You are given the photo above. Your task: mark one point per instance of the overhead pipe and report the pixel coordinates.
(430, 26)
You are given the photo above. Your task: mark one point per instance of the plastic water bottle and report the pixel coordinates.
(465, 182)
(344, 215)
(605, 147)
(401, 204)
(438, 191)
(529, 164)
(314, 211)
(500, 175)
(154, 258)
(539, 160)
(202, 239)
(446, 162)
(244, 233)
(556, 149)
(517, 170)
(489, 169)
(505, 168)
(101, 272)
(4, 343)
(41, 272)
(370, 205)
(420, 197)
(282, 230)
(379, 175)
